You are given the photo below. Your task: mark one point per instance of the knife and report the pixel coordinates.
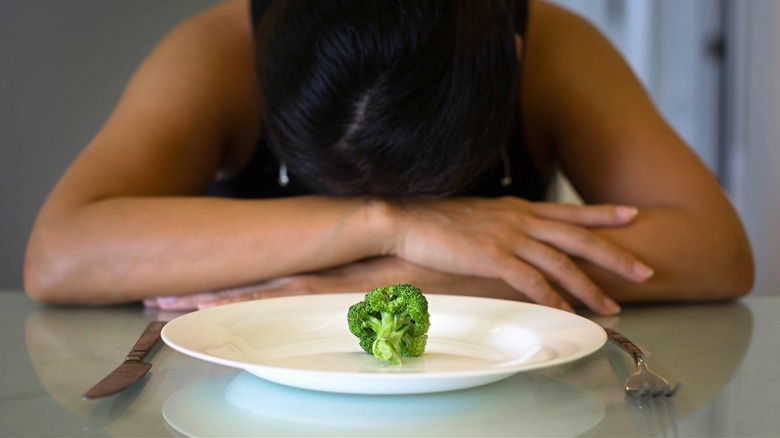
(132, 369)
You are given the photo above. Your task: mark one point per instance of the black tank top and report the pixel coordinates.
(259, 179)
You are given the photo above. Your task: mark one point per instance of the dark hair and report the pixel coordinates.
(391, 98)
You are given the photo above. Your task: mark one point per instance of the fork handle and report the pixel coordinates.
(624, 343)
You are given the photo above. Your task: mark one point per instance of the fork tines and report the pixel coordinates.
(653, 391)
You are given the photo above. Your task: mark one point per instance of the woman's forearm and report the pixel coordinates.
(693, 257)
(125, 249)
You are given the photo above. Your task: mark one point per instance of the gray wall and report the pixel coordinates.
(63, 65)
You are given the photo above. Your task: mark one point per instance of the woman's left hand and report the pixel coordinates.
(361, 276)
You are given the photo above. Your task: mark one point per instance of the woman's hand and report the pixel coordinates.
(360, 276)
(529, 246)
(506, 248)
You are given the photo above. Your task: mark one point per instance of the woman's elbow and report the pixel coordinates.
(45, 276)
(743, 274)
(40, 281)
(736, 276)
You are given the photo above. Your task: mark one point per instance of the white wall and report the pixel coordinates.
(667, 42)
(754, 131)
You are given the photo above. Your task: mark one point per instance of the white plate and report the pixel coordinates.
(527, 404)
(304, 342)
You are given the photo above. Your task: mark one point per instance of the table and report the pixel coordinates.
(725, 354)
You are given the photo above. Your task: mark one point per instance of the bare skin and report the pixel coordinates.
(126, 221)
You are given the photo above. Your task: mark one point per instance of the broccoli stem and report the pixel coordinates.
(384, 350)
(389, 331)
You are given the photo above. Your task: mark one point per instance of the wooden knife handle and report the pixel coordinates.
(149, 338)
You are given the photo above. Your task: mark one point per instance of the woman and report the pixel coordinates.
(345, 145)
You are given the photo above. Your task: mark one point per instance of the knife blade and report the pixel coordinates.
(133, 368)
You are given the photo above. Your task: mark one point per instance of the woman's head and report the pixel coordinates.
(390, 98)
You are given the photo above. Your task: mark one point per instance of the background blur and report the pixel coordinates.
(712, 67)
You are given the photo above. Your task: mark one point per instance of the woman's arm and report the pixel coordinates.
(125, 222)
(615, 147)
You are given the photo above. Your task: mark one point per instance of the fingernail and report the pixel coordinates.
(611, 306)
(206, 305)
(626, 213)
(643, 270)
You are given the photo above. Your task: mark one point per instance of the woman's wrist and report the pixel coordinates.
(385, 225)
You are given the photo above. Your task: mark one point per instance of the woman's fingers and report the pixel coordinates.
(561, 269)
(552, 246)
(527, 245)
(198, 300)
(249, 296)
(151, 303)
(532, 283)
(583, 243)
(585, 215)
(182, 303)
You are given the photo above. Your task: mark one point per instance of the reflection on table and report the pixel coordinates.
(526, 404)
(724, 354)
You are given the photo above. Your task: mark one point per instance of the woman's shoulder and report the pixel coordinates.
(560, 46)
(215, 50)
(196, 87)
(568, 67)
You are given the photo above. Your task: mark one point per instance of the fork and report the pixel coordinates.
(642, 382)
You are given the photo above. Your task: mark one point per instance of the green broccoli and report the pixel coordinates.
(391, 322)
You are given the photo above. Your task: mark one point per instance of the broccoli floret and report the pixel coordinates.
(391, 322)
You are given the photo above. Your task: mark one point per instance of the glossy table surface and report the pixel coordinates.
(726, 356)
